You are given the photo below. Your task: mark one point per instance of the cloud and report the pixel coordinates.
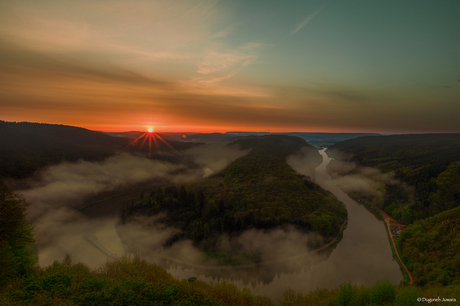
(224, 32)
(305, 21)
(36, 64)
(221, 65)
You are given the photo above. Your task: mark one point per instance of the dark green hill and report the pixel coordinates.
(416, 160)
(259, 190)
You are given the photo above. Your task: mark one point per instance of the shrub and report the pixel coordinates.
(347, 294)
(383, 292)
(407, 296)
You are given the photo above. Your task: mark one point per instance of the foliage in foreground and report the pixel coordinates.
(133, 281)
(125, 281)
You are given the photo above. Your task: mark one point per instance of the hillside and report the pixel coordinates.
(416, 160)
(258, 190)
(431, 249)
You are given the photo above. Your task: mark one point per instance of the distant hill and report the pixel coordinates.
(259, 190)
(26, 147)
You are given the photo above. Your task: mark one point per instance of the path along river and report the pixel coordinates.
(363, 256)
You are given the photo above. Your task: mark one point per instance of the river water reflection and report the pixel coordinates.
(363, 256)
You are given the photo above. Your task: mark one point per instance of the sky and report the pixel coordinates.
(214, 66)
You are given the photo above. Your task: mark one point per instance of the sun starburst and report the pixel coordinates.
(150, 135)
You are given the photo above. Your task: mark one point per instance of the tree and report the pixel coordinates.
(17, 257)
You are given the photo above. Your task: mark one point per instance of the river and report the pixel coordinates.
(363, 256)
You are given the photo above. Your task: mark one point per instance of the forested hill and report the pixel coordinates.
(431, 249)
(259, 190)
(27, 147)
(417, 160)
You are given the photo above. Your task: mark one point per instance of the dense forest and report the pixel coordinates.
(259, 190)
(427, 196)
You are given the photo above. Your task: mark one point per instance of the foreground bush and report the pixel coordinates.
(125, 281)
(133, 281)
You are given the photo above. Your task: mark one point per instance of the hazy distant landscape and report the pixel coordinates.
(221, 152)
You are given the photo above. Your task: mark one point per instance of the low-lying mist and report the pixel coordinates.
(282, 250)
(69, 184)
(362, 255)
(276, 245)
(56, 193)
(305, 161)
(213, 158)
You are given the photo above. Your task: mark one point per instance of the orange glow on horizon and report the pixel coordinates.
(122, 128)
(224, 129)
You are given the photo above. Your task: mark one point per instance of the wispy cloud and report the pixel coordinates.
(305, 21)
(223, 33)
(219, 66)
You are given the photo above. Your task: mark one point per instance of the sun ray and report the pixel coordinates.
(150, 144)
(159, 137)
(156, 143)
(150, 135)
(143, 142)
(133, 143)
